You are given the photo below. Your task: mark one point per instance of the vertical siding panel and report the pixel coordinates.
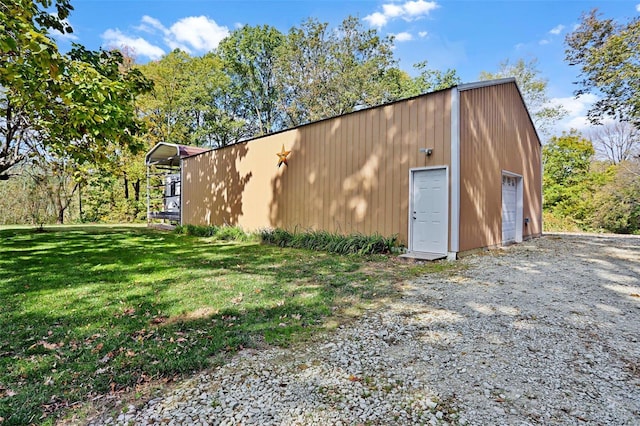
(360, 134)
(342, 167)
(422, 139)
(407, 135)
(332, 178)
(366, 180)
(446, 148)
(302, 185)
(389, 161)
(439, 123)
(383, 175)
(323, 151)
(377, 194)
(319, 164)
(431, 125)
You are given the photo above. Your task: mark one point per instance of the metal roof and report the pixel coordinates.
(169, 154)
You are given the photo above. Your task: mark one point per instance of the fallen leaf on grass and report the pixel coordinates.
(158, 320)
(97, 348)
(353, 378)
(6, 392)
(46, 345)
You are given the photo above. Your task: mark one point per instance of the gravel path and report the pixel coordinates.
(545, 332)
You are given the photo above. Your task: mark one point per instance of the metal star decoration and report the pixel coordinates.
(282, 157)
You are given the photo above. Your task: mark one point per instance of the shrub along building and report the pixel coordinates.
(447, 172)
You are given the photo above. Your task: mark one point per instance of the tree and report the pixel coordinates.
(608, 55)
(191, 102)
(30, 67)
(617, 141)
(567, 177)
(534, 91)
(326, 72)
(400, 85)
(249, 56)
(72, 106)
(617, 201)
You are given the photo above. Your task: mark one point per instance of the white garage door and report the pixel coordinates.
(509, 208)
(429, 224)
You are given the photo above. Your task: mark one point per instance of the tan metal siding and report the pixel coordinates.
(347, 174)
(496, 134)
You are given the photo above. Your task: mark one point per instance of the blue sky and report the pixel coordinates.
(469, 36)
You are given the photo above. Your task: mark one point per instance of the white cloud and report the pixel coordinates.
(423, 34)
(419, 7)
(115, 38)
(409, 11)
(199, 32)
(557, 29)
(392, 10)
(543, 42)
(403, 36)
(376, 19)
(576, 112)
(638, 7)
(151, 25)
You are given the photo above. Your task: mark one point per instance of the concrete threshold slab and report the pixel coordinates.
(415, 255)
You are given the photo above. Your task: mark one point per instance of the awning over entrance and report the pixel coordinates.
(169, 154)
(163, 180)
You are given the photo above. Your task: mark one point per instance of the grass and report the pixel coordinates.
(333, 243)
(90, 313)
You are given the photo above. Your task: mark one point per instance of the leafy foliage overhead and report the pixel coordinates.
(608, 55)
(534, 91)
(76, 105)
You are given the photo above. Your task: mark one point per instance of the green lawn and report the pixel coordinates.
(91, 311)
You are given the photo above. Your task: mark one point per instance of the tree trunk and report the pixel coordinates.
(60, 220)
(126, 186)
(136, 189)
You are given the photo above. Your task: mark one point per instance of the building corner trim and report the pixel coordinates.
(455, 171)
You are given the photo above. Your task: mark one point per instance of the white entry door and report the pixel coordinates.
(509, 208)
(429, 226)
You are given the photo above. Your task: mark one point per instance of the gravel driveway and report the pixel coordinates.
(544, 332)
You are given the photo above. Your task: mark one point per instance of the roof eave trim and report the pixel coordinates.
(485, 83)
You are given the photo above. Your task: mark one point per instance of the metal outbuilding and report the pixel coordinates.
(447, 172)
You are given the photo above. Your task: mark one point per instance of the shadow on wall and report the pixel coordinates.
(497, 136)
(217, 172)
(350, 174)
(227, 194)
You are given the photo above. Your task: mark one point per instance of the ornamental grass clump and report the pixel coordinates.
(326, 241)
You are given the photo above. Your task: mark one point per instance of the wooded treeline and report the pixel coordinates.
(75, 126)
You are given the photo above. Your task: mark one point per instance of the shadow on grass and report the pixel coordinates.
(95, 310)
